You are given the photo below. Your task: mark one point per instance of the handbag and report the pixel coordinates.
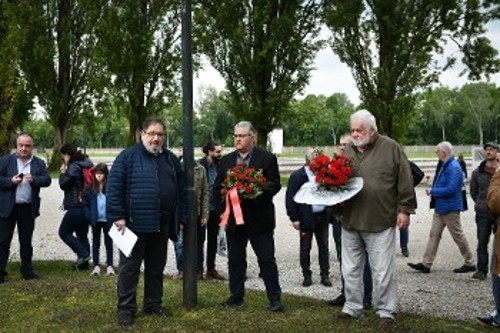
(222, 242)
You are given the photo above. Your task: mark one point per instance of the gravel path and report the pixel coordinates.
(441, 293)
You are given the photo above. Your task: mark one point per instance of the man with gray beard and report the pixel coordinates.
(146, 192)
(370, 218)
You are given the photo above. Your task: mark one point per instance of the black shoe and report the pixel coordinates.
(125, 319)
(488, 321)
(339, 301)
(159, 311)
(325, 280)
(367, 305)
(276, 306)
(233, 302)
(30, 276)
(3, 277)
(420, 267)
(465, 269)
(307, 281)
(405, 253)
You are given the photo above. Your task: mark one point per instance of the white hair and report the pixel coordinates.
(311, 153)
(445, 147)
(366, 117)
(248, 125)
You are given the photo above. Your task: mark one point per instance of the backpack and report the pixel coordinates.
(87, 179)
(417, 174)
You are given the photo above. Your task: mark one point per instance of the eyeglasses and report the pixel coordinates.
(153, 134)
(241, 136)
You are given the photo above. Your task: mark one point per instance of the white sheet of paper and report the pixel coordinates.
(125, 241)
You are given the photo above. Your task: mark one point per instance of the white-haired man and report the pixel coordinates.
(446, 193)
(370, 218)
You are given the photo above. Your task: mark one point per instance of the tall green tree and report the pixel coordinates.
(264, 50)
(478, 99)
(15, 101)
(58, 59)
(391, 45)
(140, 48)
(214, 120)
(339, 109)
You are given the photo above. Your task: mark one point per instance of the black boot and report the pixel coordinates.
(307, 280)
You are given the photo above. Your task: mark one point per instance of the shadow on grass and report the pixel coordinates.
(66, 300)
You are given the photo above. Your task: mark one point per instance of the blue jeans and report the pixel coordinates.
(403, 239)
(495, 285)
(179, 251)
(485, 227)
(74, 222)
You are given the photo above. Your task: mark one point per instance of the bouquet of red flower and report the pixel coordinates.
(249, 182)
(333, 173)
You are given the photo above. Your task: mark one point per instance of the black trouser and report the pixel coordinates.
(21, 215)
(320, 232)
(263, 246)
(152, 248)
(209, 231)
(74, 222)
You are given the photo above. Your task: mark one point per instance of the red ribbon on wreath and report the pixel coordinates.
(232, 200)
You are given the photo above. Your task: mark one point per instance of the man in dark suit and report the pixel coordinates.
(258, 215)
(21, 177)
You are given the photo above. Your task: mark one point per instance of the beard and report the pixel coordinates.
(361, 142)
(153, 150)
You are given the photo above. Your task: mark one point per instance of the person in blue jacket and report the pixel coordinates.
(146, 192)
(94, 207)
(446, 193)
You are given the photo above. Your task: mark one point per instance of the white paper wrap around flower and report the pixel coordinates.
(312, 194)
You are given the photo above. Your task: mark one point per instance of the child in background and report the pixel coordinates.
(94, 202)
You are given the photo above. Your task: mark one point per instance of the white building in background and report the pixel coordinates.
(275, 141)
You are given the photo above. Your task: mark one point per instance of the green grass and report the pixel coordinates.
(65, 300)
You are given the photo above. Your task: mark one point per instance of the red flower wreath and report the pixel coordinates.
(248, 181)
(333, 173)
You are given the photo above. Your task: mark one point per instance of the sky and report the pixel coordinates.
(332, 76)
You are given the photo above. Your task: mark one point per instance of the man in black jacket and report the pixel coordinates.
(258, 215)
(309, 220)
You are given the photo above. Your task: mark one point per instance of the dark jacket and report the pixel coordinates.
(71, 182)
(447, 187)
(90, 207)
(8, 169)
(295, 211)
(258, 213)
(211, 197)
(132, 191)
(479, 182)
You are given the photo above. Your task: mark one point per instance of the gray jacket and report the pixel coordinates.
(479, 182)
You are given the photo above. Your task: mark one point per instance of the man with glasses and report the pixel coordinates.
(258, 216)
(146, 192)
(21, 177)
